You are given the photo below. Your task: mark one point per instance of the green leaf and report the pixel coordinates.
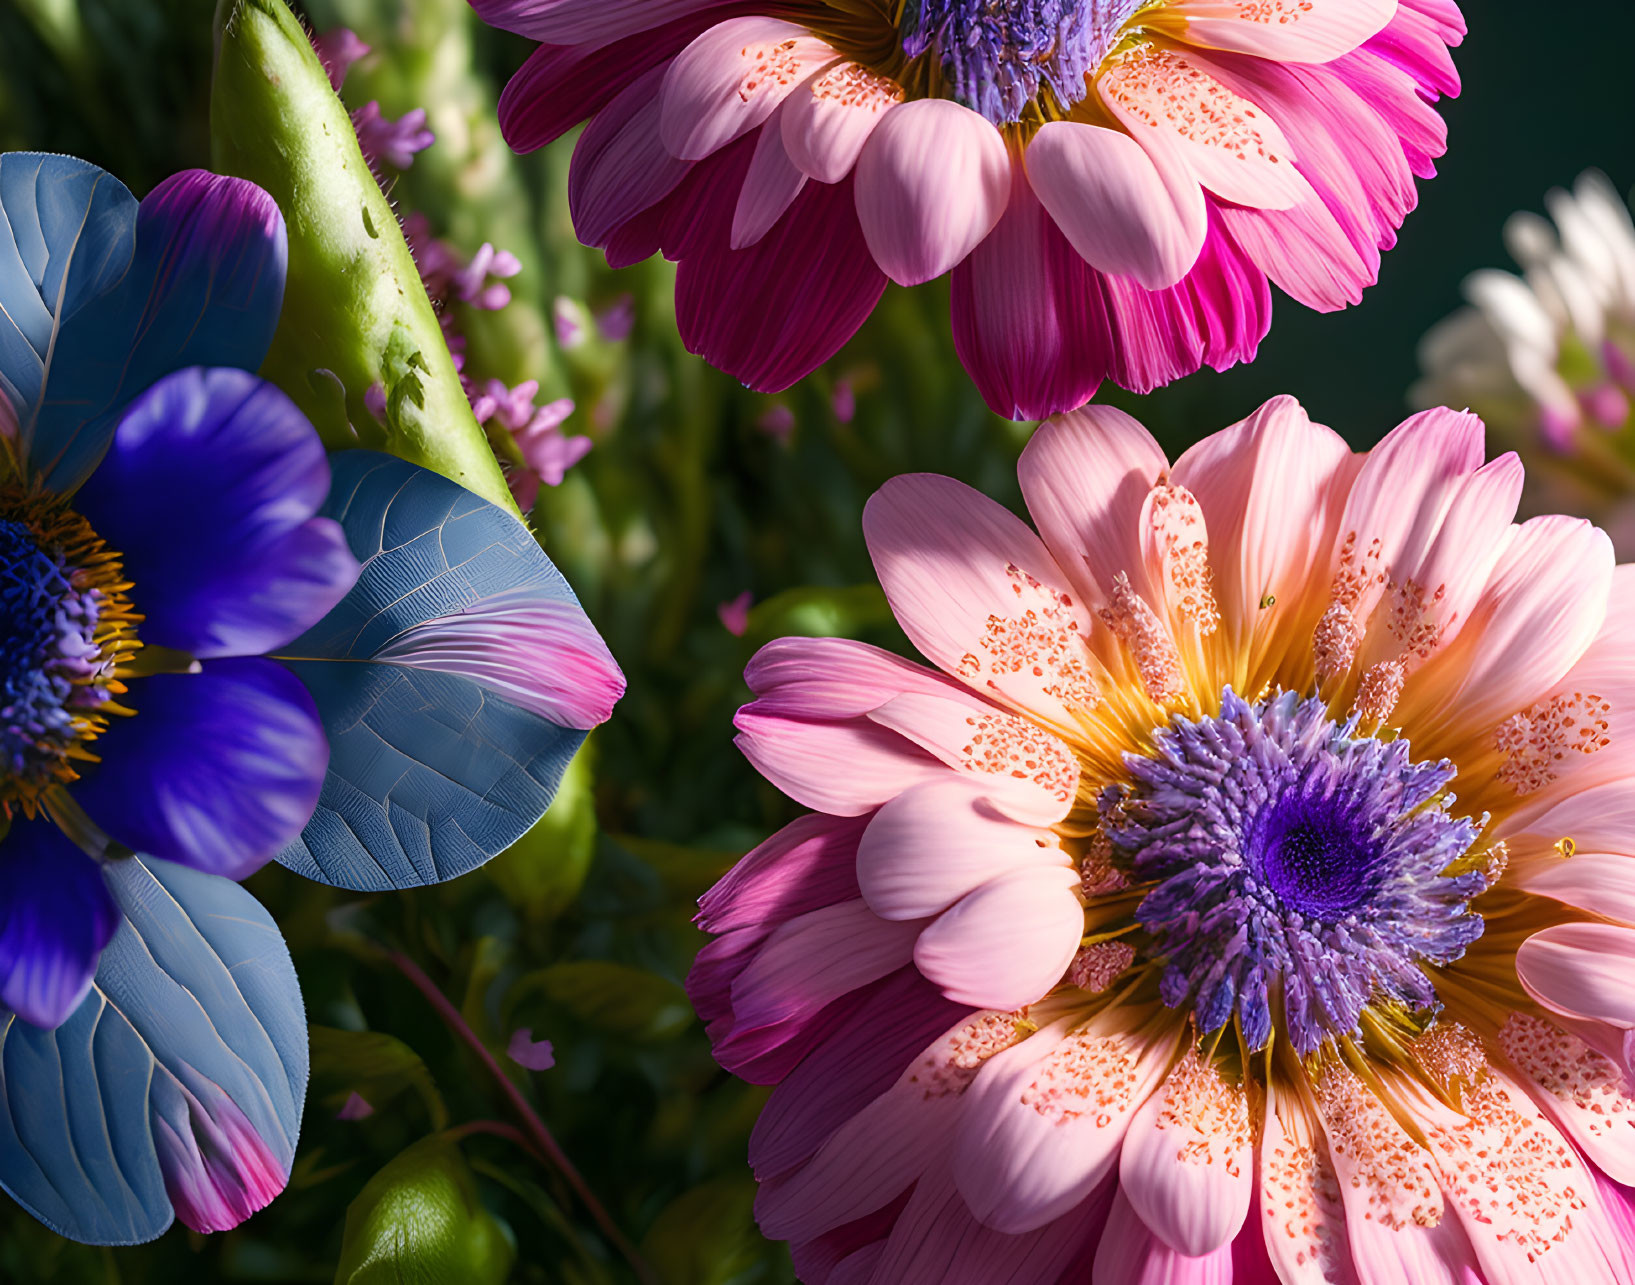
(355, 311)
(419, 1222)
(819, 613)
(612, 997)
(706, 1236)
(542, 872)
(374, 1065)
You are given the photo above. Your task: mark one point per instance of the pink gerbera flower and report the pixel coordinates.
(1250, 896)
(1111, 182)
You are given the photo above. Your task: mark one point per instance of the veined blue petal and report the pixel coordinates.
(56, 915)
(100, 298)
(176, 1087)
(67, 238)
(467, 675)
(217, 770)
(208, 492)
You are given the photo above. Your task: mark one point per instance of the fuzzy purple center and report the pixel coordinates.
(50, 664)
(1287, 854)
(999, 54)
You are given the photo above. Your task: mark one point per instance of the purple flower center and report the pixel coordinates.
(62, 627)
(1285, 854)
(999, 54)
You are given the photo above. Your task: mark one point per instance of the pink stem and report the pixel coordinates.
(532, 1124)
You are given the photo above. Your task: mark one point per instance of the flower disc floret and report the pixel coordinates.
(1285, 854)
(66, 628)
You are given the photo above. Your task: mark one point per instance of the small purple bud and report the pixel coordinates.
(616, 321)
(735, 614)
(356, 1107)
(777, 421)
(531, 1054)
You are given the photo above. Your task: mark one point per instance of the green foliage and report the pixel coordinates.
(355, 314)
(705, 1236)
(419, 1222)
(624, 1001)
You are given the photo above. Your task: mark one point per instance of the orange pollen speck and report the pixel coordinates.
(1181, 541)
(1210, 1115)
(948, 1069)
(1004, 745)
(1538, 740)
(1379, 691)
(1158, 87)
(850, 85)
(1097, 967)
(1374, 1156)
(1085, 1075)
(1137, 626)
(1042, 641)
(778, 64)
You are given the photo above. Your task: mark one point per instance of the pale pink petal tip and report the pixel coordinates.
(734, 614)
(218, 1170)
(529, 1053)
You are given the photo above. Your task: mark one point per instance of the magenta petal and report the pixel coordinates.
(1029, 323)
(775, 311)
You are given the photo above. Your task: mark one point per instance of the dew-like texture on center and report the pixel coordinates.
(50, 662)
(997, 55)
(1286, 853)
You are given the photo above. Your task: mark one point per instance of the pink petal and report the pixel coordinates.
(1178, 111)
(1301, 1214)
(1584, 1092)
(1028, 773)
(1217, 316)
(773, 312)
(1402, 480)
(1025, 1153)
(730, 80)
(560, 85)
(1389, 1184)
(1125, 211)
(829, 118)
(961, 573)
(619, 166)
(770, 187)
(584, 22)
(1286, 30)
(936, 1241)
(844, 1074)
(1007, 943)
(937, 842)
(1085, 476)
(1600, 819)
(1271, 490)
(1559, 1231)
(540, 653)
(836, 678)
(1443, 563)
(1538, 613)
(932, 181)
(1029, 333)
(1187, 1167)
(809, 864)
(1600, 882)
(1130, 1253)
(815, 958)
(846, 768)
(1582, 970)
(529, 1053)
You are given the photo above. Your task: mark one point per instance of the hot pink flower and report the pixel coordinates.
(1111, 182)
(1211, 911)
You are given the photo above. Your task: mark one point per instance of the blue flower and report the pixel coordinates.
(147, 570)
(210, 657)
